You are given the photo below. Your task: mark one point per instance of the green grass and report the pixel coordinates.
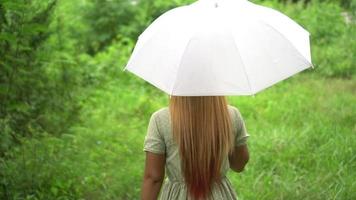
(302, 141)
(303, 130)
(302, 144)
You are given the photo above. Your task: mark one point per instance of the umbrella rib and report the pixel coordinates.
(290, 43)
(243, 64)
(179, 65)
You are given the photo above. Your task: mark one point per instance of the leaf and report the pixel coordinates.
(7, 36)
(54, 190)
(14, 5)
(33, 29)
(3, 88)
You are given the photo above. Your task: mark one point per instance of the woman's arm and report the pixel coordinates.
(239, 158)
(153, 176)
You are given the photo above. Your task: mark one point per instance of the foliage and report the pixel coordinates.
(348, 4)
(72, 123)
(300, 142)
(296, 152)
(28, 91)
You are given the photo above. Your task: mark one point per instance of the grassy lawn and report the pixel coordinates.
(72, 123)
(302, 140)
(302, 144)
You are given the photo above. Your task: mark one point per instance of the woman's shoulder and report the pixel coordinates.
(235, 113)
(161, 115)
(160, 111)
(233, 109)
(162, 118)
(165, 110)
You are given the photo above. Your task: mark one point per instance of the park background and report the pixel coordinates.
(72, 122)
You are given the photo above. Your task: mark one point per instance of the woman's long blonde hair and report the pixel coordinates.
(202, 129)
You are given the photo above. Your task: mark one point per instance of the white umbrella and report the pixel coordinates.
(220, 47)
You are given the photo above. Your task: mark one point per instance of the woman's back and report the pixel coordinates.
(159, 140)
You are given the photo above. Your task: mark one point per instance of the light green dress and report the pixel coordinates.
(159, 140)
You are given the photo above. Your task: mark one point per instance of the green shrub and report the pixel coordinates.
(84, 119)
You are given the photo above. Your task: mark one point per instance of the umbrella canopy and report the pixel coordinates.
(220, 47)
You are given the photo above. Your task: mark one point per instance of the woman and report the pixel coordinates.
(196, 139)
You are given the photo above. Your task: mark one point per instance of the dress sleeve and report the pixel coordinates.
(154, 141)
(242, 134)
